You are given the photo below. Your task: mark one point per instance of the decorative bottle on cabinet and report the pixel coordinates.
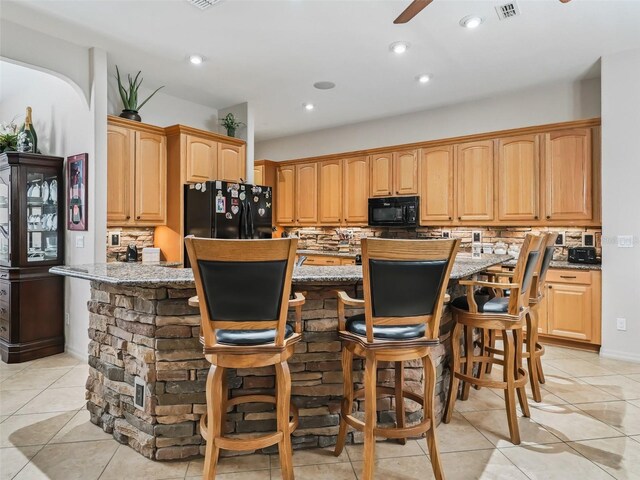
(31, 241)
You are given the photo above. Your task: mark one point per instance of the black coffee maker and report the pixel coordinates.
(132, 253)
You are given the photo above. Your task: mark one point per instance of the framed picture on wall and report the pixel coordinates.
(77, 191)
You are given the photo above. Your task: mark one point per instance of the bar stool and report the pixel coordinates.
(404, 287)
(533, 349)
(503, 314)
(243, 291)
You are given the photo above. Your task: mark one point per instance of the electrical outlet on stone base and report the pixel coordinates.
(140, 394)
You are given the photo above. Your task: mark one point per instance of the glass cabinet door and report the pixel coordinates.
(43, 194)
(5, 217)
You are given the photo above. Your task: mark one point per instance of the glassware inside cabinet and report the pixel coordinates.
(42, 216)
(5, 217)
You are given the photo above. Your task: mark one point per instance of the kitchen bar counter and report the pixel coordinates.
(563, 264)
(144, 338)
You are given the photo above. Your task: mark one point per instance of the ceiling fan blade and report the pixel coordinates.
(412, 10)
(565, 1)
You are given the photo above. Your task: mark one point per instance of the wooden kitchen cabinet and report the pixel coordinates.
(137, 167)
(330, 208)
(568, 175)
(405, 172)
(571, 307)
(356, 191)
(436, 184)
(285, 201)
(258, 175)
(381, 176)
(120, 165)
(201, 159)
(231, 162)
(518, 178)
(475, 181)
(306, 177)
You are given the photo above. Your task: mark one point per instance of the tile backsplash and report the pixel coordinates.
(326, 239)
(139, 236)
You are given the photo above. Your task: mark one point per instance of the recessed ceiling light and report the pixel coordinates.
(399, 47)
(324, 85)
(308, 106)
(424, 78)
(196, 59)
(471, 21)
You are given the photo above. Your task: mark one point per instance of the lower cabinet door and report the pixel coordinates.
(569, 310)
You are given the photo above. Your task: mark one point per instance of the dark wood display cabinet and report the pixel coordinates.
(32, 198)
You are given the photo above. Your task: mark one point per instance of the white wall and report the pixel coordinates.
(620, 199)
(551, 103)
(164, 110)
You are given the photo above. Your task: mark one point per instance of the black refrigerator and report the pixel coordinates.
(218, 209)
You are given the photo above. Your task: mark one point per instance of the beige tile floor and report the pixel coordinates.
(586, 427)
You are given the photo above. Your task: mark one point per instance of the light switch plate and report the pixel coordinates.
(625, 241)
(114, 239)
(621, 324)
(80, 241)
(588, 239)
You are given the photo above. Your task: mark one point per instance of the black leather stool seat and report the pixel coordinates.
(485, 305)
(357, 325)
(250, 337)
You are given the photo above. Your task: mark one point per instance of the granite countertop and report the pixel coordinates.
(562, 264)
(158, 275)
(328, 253)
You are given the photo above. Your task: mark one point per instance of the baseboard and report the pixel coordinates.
(615, 355)
(76, 354)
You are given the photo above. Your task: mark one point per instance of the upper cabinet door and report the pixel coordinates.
(518, 172)
(436, 184)
(406, 172)
(381, 175)
(356, 190)
(202, 159)
(475, 181)
(307, 193)
(568, 175)
(258, 175)
(330, 192)
(120, 163)
(285, 195)
(231, 162)
(151, 178)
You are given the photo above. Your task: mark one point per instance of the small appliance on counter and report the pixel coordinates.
(150, 255)
(583, 255)
(394, 211)
(132, 253)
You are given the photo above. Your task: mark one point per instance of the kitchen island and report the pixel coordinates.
(147, 372)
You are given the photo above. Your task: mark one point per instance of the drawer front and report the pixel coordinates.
(4, 292)
(321, 260)
(347, 261)
(4, 320)
(569, 276)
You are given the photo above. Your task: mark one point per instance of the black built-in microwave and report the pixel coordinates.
(394, 211)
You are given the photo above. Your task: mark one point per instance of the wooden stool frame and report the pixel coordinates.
(223, 356)
(510, 324)
(375, 350)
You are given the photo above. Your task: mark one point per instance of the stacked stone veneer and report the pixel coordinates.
(153, 334)
(326, 239)
(141, 237)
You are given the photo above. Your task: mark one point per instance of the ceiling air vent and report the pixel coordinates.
(508, 10)
(203, 4)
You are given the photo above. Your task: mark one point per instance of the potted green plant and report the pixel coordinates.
(230, 123)
(129, 96)
(9, 137)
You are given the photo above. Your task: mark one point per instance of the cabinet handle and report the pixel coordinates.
(536, 217)
(567, 276)
(138, 217)
(450, 218)
(550, 287)
(128, 217)
(459, 218)
(3, 292)
(548, 217)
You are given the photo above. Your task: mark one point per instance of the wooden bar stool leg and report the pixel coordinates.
(429, 412)
(455, 368)
(484, 339)
(522, 392)
(510, 391)
(370, 416)
(347, 402)
(468, 366)
(492, 344)
(532, 364)
(216, 388)
(541, 378)
(283, 392)
(399, 383)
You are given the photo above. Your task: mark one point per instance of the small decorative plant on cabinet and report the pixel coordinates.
(129, 96)
(230, 123)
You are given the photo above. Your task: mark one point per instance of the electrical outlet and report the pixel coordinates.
(80, 241)
(139, 398)
(66, 319)
(625, 241)
(446, 233)
(621, 324)
(114, 239)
